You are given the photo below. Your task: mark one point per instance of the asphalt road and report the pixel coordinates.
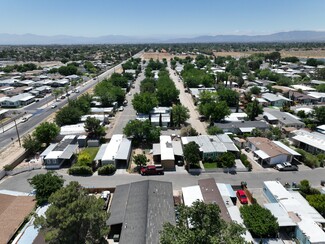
(123, 117)
(179, 180)
(40, 111)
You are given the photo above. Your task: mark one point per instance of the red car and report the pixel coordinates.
(242, 197)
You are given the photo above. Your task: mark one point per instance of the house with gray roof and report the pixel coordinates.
(283, 119)
(18, 100)
(139, 210)
(58, 153)
(243, 126)
(212, 146)
(276, 100)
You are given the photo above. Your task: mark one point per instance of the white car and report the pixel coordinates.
(105, 195)
(286, 167)
(121, 108)
(24, 119)
(54, 106)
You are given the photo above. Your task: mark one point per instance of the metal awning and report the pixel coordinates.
(261, 154)
(246, 129)
(69, 151)
(101, 152)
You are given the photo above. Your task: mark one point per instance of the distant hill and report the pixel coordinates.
(291, 36)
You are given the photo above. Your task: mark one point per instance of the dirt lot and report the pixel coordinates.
(140, 151)
(161, 56)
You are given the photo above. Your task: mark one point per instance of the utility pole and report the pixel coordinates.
(17, 133)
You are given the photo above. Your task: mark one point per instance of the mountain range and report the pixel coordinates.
(32, 39)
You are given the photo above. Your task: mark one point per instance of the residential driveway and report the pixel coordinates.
(186, 100)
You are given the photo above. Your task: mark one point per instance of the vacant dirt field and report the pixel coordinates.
(161, 56)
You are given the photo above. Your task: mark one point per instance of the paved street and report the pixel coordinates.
(254, 180)
(186, 100)
(123, 117)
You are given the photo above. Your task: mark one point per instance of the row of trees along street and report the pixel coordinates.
(155, 91)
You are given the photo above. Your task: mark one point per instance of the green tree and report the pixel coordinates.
(253, 109)
(192, 153)
(231, 97)
(259, 221)
(318, 202)
(68, 70)
(148, 85)
(320, 74)
(216, 111)
(180, 114)
(305, 188)
(214, 130)
(142, 131)
(94, 128)
(226, 160)
(255, 90)
(46, 132)
(74, 217)
(144, 102)
(45, 185)
(140, 160)
(319, 113)
(188, 131)
(84, 159)
(68, 116)
(166, 92)
(207, 227)
(31, 144)
(109, 93)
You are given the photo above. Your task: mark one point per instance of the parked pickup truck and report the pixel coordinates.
(152, 170)
(286, 167)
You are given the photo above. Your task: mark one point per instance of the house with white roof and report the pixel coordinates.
(320, 96)
(117, 151)
(167, 152)
(293, 212)
(276, 100)
(18, 100)
(313, 142)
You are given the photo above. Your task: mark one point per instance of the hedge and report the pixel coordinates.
(80, 170)
(245, 162)
(107, 170)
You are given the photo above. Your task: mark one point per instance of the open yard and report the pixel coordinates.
(92, 151)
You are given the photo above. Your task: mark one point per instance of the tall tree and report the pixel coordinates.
(31, 144)
(207, 227)
(144, 102)
(142, 131)
(46, 132)
(192, 153)
(45, 185)
(180, 114)
(253, 109)
(259, 221)
(94, 128)
(231, 97)
(319, 113)
(68, 115)
(74, 217)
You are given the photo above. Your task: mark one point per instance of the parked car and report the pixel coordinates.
(242, 197)
(24, 119)
(121, 108)
(286, 167)
(105, 195)
(152, 170)
(54, 106)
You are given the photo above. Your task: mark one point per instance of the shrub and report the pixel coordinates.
(80, 170)
(8, 167)
(309, 159)
(245, 161)
(107, 169)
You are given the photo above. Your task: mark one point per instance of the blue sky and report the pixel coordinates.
(159, 17)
